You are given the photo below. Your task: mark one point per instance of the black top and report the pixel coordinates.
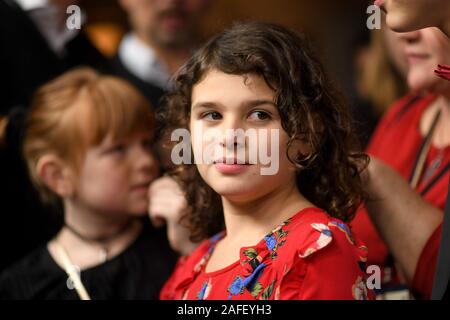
(138, 272)
(27, 62)
(150, 91)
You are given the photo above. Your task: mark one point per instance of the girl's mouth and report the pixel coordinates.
(414, 58)
(231, 168)
(141, 187)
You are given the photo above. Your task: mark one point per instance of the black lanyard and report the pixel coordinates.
(442, 273)
(419, 163)
(436, 178)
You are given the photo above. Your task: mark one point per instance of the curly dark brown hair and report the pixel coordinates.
(310, 110)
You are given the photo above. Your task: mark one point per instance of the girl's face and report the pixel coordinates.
(115, 176)
(408, 15)
(424, 50)
(225, 102)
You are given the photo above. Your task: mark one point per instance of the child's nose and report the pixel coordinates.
(232, 133)
(232, 139)
(410, 37)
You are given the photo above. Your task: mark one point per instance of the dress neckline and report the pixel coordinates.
(262, 249)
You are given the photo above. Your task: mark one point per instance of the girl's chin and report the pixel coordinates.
(229, 192)
(420, 84)
(233, 191)
(241, 193)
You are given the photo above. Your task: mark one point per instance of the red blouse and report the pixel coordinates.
(309, 256)
(397, 141)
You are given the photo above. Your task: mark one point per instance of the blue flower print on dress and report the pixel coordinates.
(270, 242)
(237, 287)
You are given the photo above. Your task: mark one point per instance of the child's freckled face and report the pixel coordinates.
(115, 176)
(222, 102)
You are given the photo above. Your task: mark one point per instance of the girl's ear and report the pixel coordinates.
(56, 175)
(299, 148)
(304, 148)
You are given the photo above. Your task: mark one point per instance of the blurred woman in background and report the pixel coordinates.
(414, 139)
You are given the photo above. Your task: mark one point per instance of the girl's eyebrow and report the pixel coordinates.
(246, 104)
(257, 103)
(205, 104)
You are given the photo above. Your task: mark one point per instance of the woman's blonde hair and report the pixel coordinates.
(78, 110)
(382, 82)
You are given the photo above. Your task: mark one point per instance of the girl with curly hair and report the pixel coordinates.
(275, 236)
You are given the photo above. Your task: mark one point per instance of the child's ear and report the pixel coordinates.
(299, 148)
(304, 148)
(56, 175)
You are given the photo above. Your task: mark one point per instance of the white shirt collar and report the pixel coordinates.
(141, 60)
(45, 17)
(27, 5)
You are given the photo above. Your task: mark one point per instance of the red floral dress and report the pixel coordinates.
(309, 256)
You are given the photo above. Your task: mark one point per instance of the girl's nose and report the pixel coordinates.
(410, 37)
(232, 139)
(233, 135)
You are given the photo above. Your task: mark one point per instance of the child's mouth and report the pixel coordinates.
(230, 166)
(231, 161)
(141, 187)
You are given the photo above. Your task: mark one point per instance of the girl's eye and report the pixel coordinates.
(212, 115)
(148, 144)
(259, 116)
(120, 148)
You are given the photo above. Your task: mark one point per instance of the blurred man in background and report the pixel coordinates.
(37, 46)
(163, 36)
